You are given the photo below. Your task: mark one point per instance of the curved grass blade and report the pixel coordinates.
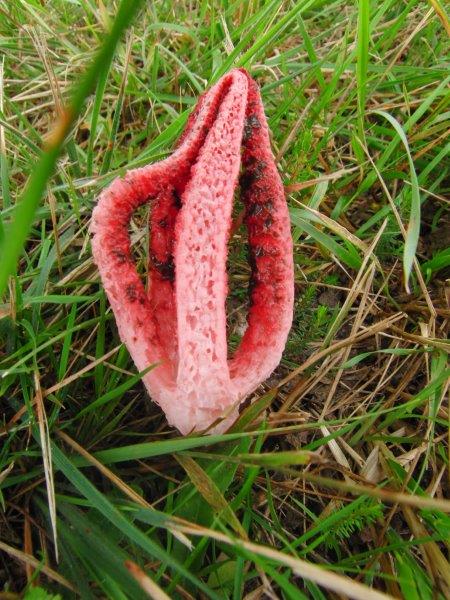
(413, 229)
(117, 519)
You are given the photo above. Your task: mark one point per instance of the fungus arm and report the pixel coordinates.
(202, 232)
(270, 253)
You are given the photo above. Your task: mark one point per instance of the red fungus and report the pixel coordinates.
(180, 323)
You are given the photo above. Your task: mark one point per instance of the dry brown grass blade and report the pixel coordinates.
(115, 480)
(440, 568)
(210, 492)
(386, 495)
(148, 585)
(293, 133)
(402, 228)
(425, 150)
(331, 581)
(40, 45)
(357, 287)
(302, 185)
(336, 451)
(342, 231)
(36, 564)
(12, 299)
(119, 483)
(364, 289)
(423, 341)
(4, 474)
(441, 14)
(362, 335)
(28, 547)
(46, 458)
(406, 42)
(77, 375)
(357, 489)
(52, 205)
(63, 383)
(10, 596)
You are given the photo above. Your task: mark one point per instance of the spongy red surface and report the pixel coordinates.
(181, 323)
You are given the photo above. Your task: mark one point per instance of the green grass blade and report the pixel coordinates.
(413, 228)
(362, 60)
(24, 214)
(117, 519)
